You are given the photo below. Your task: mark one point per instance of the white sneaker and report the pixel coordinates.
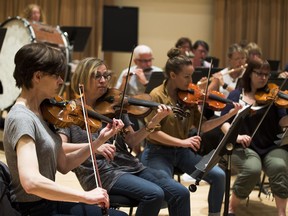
(187, 178)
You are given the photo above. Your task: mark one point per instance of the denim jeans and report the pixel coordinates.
(140, 187)
(52, 208)
(167, 158)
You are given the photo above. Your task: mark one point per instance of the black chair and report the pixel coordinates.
(118, 201)
(262, 188)
(178, 173)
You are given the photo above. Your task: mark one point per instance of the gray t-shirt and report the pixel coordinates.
(22, 121)
(109, 172)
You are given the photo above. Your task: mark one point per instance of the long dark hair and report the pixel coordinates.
(252, 65)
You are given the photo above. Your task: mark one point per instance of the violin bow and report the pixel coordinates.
(126, 84)
(267, 110)
(124, 93)
(93, 156)
(204, 100)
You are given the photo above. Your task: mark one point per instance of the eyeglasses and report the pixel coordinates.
(145, 60)
(262, 75)
(98, 76)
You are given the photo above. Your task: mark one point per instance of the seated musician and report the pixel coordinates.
(34, 13)
(255, 149)
(34, 150)
(223, 81)
(169, 146)
(120, 172)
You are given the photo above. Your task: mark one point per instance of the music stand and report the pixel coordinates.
(155, 80)
(77, 36)
(225, 147)
(203, 72)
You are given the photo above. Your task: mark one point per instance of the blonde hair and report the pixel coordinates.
(83, 72)
(253, 48)
(27, 12)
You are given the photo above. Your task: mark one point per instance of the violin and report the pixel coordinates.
(193, 95)
(66, 113)
(272, 93)
(138, 105)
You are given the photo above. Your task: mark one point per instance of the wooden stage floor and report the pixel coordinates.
(264, 205)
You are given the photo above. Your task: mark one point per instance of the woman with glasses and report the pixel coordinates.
(34, 150)
(200, 51)
(259, 152)
(120, 172)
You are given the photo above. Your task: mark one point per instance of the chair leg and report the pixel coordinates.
(261, 186)
(131, 211)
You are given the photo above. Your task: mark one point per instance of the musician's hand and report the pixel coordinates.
(202, 83)
(107, 150)
(193, 142)
(244, 140)
(283, 75)
(111, 129)
(219, 77)
(236, 108)
(162, 112)
(97, 196)
(141, 76)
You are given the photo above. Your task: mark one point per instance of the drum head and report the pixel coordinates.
(17, 35)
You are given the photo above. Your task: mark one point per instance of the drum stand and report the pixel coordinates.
(225, 147)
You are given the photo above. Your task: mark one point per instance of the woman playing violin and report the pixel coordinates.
(255, 148)
(169, 146)
(34, 150)
(120, 172)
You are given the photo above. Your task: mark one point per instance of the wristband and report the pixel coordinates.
(225, 85)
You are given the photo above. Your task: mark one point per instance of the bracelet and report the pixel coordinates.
(225, 85)
(150, 130)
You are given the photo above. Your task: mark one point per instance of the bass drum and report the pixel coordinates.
(19, 33)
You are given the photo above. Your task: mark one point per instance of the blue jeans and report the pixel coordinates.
(140, 187)
(167, 158)
(54, 208)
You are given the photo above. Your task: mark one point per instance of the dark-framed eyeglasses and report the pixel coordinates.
(262, 75)
(98, 76)
(145, 60)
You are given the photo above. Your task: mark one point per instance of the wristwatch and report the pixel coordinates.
(225, 85)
